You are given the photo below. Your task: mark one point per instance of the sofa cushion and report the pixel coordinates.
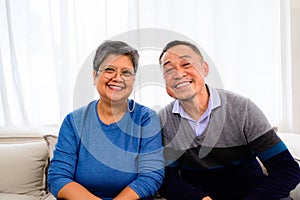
(51, 142)
(23, 164)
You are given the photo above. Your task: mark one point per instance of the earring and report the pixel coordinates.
(133, 105)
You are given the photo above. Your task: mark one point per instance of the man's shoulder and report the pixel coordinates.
(231, 96)
(167, 109)
(230, 93)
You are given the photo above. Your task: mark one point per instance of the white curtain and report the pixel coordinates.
(45, 42)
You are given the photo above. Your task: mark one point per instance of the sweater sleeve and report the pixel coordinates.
(283, 176)
(283, 171)
(151, 162)
(63, 165)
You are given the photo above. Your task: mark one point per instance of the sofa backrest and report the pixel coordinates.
(24, 160)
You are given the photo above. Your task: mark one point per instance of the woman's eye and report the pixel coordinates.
(109, 70)
(127, 73)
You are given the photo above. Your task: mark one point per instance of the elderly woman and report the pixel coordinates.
(111, 148)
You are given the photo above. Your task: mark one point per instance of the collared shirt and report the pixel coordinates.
(200, 125)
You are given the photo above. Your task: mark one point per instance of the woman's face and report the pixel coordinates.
(115, 78)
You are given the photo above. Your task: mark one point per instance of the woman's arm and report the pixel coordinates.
(150, 156)
(63, 164)
(75, 191)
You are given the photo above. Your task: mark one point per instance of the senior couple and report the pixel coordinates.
(204, 145)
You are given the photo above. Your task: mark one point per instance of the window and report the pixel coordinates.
(45, 43)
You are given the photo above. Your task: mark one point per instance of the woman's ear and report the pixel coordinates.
(95, 77)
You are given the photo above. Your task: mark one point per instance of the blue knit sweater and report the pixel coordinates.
(221, 163)
(107, 158)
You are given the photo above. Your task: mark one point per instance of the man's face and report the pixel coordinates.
(184, 72)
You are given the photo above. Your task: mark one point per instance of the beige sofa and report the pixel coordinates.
(24, 159)
(25, 155)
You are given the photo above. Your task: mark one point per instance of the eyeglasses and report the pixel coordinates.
(110, 71)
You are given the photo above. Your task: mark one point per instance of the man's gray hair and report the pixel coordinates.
(109, 47)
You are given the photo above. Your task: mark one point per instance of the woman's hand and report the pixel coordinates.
(127, 193)
(75, 191)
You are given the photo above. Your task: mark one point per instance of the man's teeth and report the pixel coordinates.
(182, 84)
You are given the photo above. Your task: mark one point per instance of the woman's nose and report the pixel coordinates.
(118, 75)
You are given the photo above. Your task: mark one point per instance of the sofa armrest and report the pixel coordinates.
(295, 194)
(48, 196)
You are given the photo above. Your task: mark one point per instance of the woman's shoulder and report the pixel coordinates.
(83, 112)
(143, 113)
(142, 109)
(90, 107)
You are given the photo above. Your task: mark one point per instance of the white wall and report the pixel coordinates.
(295, 52)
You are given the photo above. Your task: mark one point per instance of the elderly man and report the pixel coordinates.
(213, 138)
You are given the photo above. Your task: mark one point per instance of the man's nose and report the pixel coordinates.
(179, 72)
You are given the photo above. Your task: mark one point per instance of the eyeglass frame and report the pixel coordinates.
(110, 71)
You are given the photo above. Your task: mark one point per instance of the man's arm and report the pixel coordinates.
(283, 170)
(283, 175)
(175, 188)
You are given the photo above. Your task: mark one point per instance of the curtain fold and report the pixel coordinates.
(16, 83)
(4, 97)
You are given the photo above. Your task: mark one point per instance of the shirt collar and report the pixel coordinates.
(214, 102)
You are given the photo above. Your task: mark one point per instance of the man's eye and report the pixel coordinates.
(186, 64)
(169, 70)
